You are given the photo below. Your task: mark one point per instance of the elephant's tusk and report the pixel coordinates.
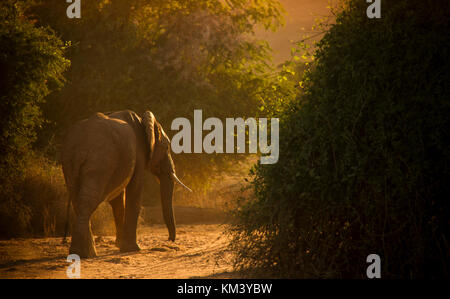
(179, 182)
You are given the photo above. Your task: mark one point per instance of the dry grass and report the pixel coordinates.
(43, 190)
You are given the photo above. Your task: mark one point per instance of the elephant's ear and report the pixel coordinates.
(162, 136)
(148, 120)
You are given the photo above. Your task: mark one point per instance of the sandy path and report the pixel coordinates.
(200, 251)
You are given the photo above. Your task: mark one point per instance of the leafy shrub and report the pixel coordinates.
(364, 155)
(31, 64)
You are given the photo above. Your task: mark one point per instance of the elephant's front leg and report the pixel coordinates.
(132, 209)
(118, 207)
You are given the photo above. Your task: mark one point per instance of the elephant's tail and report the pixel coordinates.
(72, 187)
(71, 173)
(66, 226)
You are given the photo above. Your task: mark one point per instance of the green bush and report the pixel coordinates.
(31, 64)
(364, 155)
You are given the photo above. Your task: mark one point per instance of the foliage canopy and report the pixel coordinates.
(167, 56)
(31, 65)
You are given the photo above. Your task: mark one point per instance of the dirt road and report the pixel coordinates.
(200, 251)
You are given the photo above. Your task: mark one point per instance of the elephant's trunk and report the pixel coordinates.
(166, 185)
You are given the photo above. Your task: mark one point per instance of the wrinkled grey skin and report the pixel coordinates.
(104, 159)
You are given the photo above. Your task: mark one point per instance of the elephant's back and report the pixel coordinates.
(101, 147)
(99, 132)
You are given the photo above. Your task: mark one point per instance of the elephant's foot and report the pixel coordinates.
(83, 245)
(129, 247)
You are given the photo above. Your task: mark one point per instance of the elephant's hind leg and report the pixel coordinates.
(118, 207)
(88, 199)
(82, 239)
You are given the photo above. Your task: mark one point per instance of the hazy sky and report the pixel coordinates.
(299, 14)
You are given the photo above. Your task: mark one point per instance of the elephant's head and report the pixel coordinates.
(161, 164)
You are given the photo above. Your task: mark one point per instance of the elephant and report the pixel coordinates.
(104, 158)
